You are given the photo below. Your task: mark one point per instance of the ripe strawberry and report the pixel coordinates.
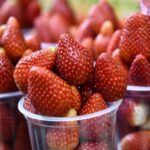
(13, 40)
(7, 123)
(28, 105)
(56, 95)
(42, 58)
(136, 141)
(134, 113)
(27, 52)
(7, 83)
(97, 128)
(93, 146)
(114, 42)
(135, 37)
(64, 135)
(2, 29)
(74, 62)
(139, 73)
(4, 146)
(110, 78)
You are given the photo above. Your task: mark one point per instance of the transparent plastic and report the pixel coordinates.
(98, 126)
(145, 7)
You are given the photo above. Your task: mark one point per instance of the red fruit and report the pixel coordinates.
(28, 105)
(110, 78)
(74, 63)
(62, 7)
(134, 113)
(13, 40)
(136, 141)
(24, 3)
(64, 135)
(2, 29)
(100, 13)
(42, 58)
(1, 2)
(97, 128)
(93, 146)
(56, 95)
(4, 146)
(7, 83)
(114, 42)
(27, 52)
(135, 37)
(7, 123)
(139, 73)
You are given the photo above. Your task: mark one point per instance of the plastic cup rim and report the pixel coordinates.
(138, 88)
(10, 94)
(37, 117)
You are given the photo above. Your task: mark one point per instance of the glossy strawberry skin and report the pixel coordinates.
(139, 73)
(56, 95)
(135, 37)
(43, 58)
(7, 83)
(136, 140)
(110, 79)
(13, 40)
(74, 62)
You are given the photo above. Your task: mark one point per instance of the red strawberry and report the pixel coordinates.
(56, 95)
(135, 37)
(64, 135)
(110, 78)
(28, 105)
(93, 146)
(27, 52)
(2, 29)
(7, 123)
(42, 58)
(134, 113)
(136, 141)
(114, 42)
(4, 146)
(7, 83)
(13, 40)
(96, 128)
(139, 73)
(74, 62)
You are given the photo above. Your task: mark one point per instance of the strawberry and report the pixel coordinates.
(7, 83)
(97, 128)
(2, 29)
(13, 40)
(27, 52)
(63, 135)
(137, 25)
(136, 141)
(110, 78)
(139, 73)
(43, 58)
(57, 97)
(28, 105)
(74, 62)
(114, 42)
(4, 146)
(7, 120)
(93, 146)
(134, 113)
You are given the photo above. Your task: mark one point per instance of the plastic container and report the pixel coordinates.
(145, 7)
(134, 113)
(13, 128)
(96, 127)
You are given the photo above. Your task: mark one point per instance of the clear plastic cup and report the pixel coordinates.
(134, 113)
(145, 7)
(95, 127)
(13, 128)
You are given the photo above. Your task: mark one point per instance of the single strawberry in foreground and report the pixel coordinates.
(93, 146)
(7, 83)
(97, 128)
(4, 146)
(139, 73)
(49, 94)
(13, 40)
(136, 141)
(64, 135)
(135, 37)
(74, 62)
(110, 78)
(134, 113)
(43, 58)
